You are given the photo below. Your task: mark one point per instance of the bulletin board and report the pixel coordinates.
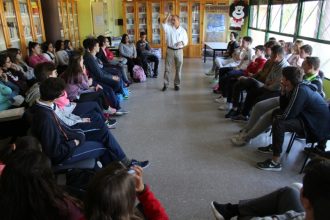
(216, 23)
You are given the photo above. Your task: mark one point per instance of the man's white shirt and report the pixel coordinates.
(175, 35)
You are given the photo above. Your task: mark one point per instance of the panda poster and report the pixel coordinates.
(237, 12)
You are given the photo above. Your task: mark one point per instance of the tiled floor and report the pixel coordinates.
(187, 141)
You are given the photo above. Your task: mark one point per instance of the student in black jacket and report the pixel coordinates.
(302, 110)
(64, 145)
(143, 50)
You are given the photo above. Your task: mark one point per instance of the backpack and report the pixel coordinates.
(138, 74)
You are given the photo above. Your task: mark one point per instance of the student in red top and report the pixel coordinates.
(258, 62)
(112, 194)
(35, 54)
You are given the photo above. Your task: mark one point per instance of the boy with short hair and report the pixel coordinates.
(144, 51)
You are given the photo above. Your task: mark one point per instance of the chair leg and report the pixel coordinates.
(292, 139)
(306, 159)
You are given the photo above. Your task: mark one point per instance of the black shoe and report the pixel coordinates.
(269, 165)
(164, 88)
(155, 76)
(176, 88)
(223, 211)
(239, 118)
(231, 113)
(266, 150)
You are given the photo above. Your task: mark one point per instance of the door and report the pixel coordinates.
(11, 23)
(142, 19)
(75, 24)
(156, 29)
(38, 25)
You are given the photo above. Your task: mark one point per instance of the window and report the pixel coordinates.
(310, 18)
(253, 15)
(262, 18)
(258, 37)
(275, 17)
(281, 37)
(325, 23)
(289, 18)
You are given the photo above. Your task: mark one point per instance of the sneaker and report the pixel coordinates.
(239, 140)
(155, 76)
(221, 100)
(225, 107)
(222, 211)
(210, 73)
(142, 164)
(111, 123)
(231, 113)
(110, 111)
(266, 150)
(269, 165)
(121, 112)
(239, 118)
(164, 88)
(176, 88)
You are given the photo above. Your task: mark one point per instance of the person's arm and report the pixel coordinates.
(96, 71)
(134, 51)
(152, 208)
(295, 105)
(165, 21)
(185, 38)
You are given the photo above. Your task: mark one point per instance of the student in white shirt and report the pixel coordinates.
(176, 39)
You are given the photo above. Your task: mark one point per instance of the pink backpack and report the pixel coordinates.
(138, 74)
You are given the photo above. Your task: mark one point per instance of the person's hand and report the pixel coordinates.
(86, 120)
(139, 185)
(98, 87)
(116, 78)
(179, 44)
(241, 77)
(90, 81)
(14, 67)
(77, 142)
(250, 74)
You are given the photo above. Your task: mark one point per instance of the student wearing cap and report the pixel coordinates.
(256, 65)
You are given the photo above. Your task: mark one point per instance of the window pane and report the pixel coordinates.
(258, 37)
(253, 17)
(275, 18)
(281, 37)
(262, 16)
(310, 18)
(325, 24)
(319, 51)
(289, 18)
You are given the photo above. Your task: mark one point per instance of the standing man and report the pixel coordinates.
(176, 39)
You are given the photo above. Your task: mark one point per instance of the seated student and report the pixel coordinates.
(35, 56)
(15, 77)
(253, 68)
(62, 56)
(19, 64)
(21, 144)
(128, 51)
(222, 61)
(9, 93)
(28, 190)
(282, 43)
(312, 202)
(305, 51)
(261, 116)
(117, 67)
(295, 59)
(302, 110)
(144, 52)
(49, 52)
(64, 145)
(80, 88)
(97, 72)
(288, 50)
(112, 195)
(68, 47)
(258, 91)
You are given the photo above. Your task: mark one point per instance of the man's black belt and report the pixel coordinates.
(174, 48)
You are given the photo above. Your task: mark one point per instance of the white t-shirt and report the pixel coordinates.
(175, 35)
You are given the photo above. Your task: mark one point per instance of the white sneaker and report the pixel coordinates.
(221, 100)
(225, 107)
(239, 140)
(210, 73)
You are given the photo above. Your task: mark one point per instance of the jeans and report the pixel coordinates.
(275, 203)
(241, 85)
(149, 58)
(98, 96)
